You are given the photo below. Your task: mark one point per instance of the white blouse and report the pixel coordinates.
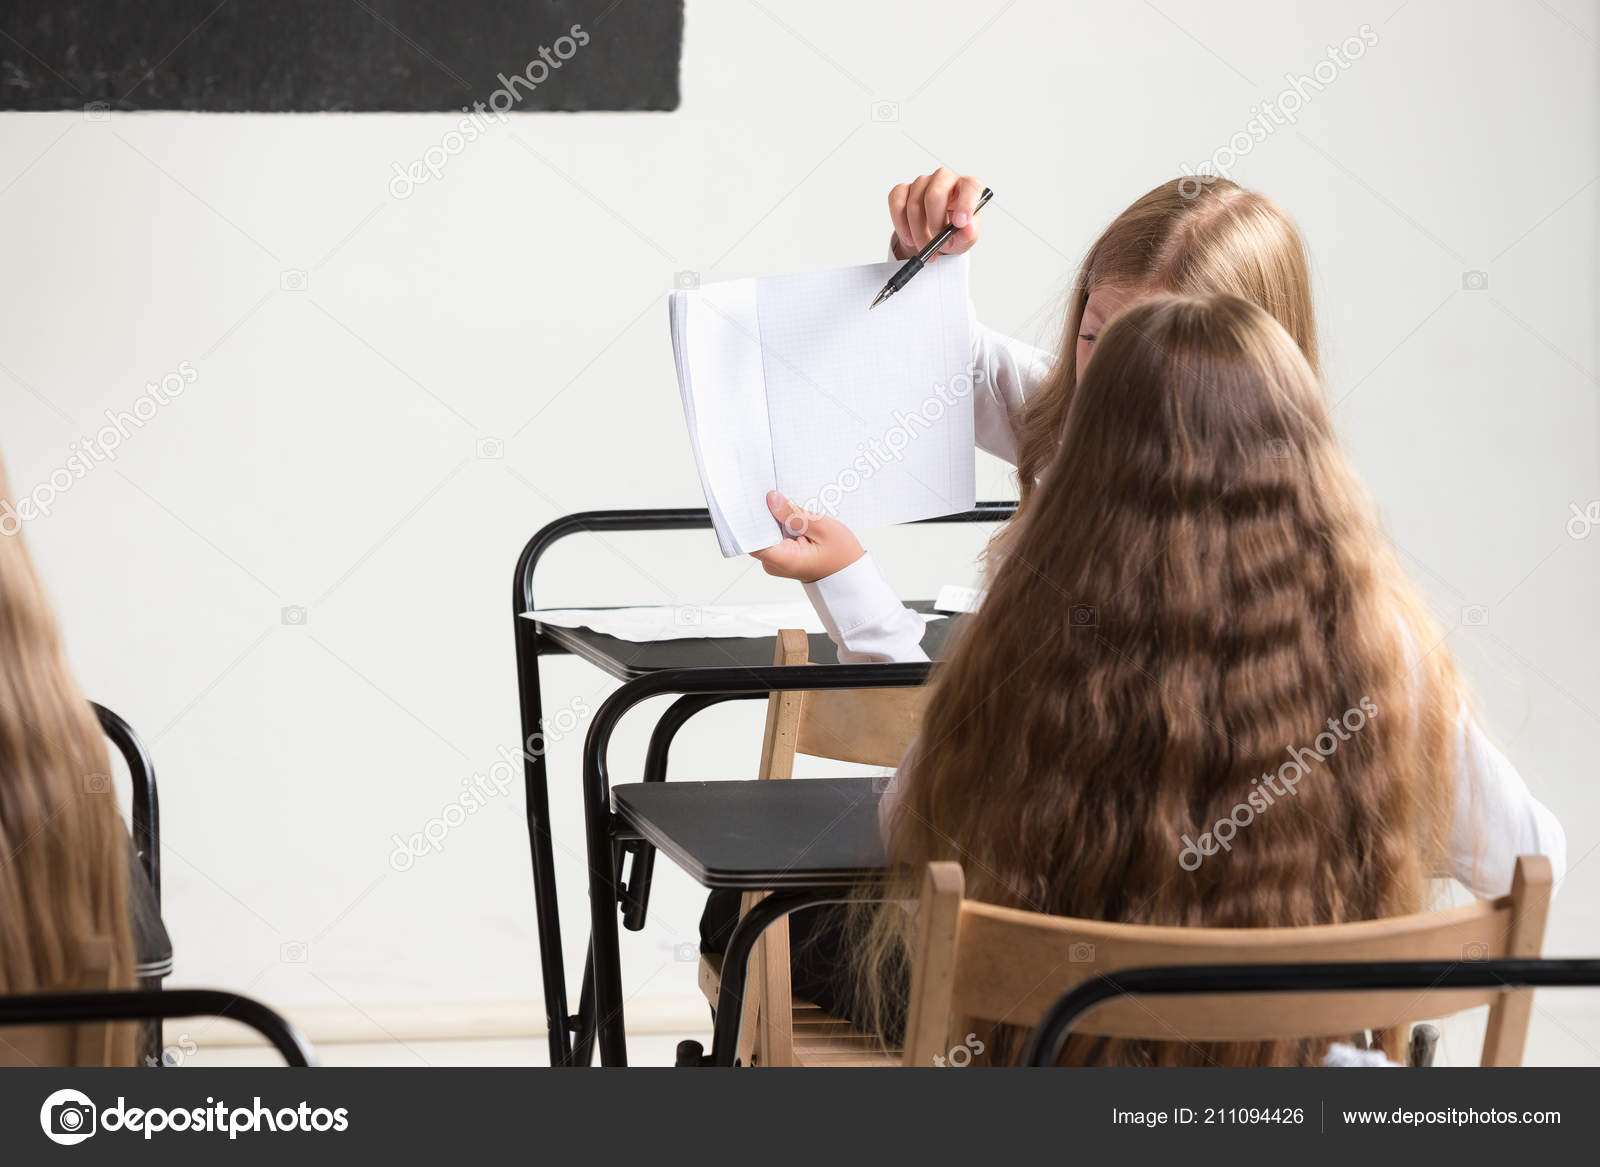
(1496, 817)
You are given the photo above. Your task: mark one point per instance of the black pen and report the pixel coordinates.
(915, 264)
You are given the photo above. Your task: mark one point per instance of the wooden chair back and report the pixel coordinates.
(978, 962)
(872, 727)
(87, 1043)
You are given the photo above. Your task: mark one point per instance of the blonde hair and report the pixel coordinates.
(1185, 237)
(1201, 585)
(64, 853)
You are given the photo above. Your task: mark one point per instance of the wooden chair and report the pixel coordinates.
(975, 962)
(86, 1043)
(872, 727)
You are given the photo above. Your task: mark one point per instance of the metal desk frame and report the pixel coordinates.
(599, 1019)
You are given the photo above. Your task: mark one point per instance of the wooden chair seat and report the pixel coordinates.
(822, 1040)
(817, 1038)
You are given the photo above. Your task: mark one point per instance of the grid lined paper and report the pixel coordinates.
(868, 414)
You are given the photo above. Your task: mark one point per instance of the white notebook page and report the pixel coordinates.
(860, 430)
(716, 332)
(789, 382)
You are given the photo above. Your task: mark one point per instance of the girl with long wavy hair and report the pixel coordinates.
(1200, 594)
(66, 861)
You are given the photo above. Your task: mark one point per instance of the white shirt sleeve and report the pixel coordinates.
(1496, 817)
(864, 617)
(1005, 372)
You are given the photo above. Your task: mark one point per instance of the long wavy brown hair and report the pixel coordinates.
(64, 863)
(1187, 237)
(1200, 586)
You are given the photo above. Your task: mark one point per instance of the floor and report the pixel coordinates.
(1558, 1036)
(646, 1049)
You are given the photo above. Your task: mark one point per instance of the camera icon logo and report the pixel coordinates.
(293, 952)
(67, 1117)
(490, 449)
(1278, 448)
(97, 111)
(1081, 953)
(884, 112)
(686, 281)
(1477, 950)
(1583, 521)
(686, 953)
(1474, 281)
(293, 280)
(178, 1053)
(1474, 616)
(1083, 616)
(1191, 184)
(295, 615)
(883, 783)
(687, 617)
(96, 783)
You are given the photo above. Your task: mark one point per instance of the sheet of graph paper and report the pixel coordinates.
(789, 382)
(717, 344)
(870, 412)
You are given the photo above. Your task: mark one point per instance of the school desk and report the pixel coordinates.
(702, 673)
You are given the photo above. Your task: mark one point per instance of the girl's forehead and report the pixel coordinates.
(1106, 300)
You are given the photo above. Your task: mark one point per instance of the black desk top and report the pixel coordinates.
(761, 836)
(627, 659)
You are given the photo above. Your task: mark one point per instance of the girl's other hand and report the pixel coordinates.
(820, 546)
(920, 209)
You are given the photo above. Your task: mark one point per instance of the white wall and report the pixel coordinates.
(326, 454)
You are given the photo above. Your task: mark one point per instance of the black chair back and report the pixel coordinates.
(142, 1004)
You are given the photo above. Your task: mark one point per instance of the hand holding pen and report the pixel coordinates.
(936, 214)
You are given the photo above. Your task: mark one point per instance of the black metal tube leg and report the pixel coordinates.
(583, 1047)
(537, 793)
(604, 949)
(583, 1044)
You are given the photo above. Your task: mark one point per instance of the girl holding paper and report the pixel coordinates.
(1189, 236)
(1236, 581)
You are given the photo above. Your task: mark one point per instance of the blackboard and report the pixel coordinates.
(328, 55)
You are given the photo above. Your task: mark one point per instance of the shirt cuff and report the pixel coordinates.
(865, 618)
(853, 596)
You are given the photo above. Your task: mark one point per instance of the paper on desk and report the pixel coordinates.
(690, 621)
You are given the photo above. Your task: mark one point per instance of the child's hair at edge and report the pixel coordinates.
(1188, 236)
(1201, 584)
(64, 853)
